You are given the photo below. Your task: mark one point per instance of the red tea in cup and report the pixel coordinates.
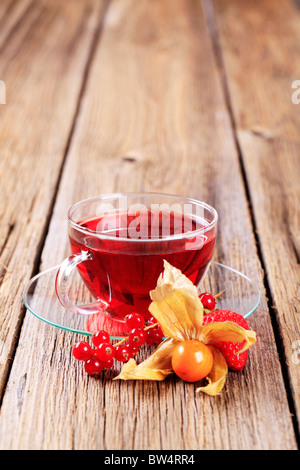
(119, 243)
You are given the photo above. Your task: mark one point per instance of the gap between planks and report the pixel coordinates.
(210, 18)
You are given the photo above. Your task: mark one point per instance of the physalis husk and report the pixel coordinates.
(179, 312)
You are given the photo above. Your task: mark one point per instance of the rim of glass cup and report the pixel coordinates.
(106, 235)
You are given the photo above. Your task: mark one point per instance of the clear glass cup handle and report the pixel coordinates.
(61, 285)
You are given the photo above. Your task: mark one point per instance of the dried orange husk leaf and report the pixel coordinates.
(156, 367)
(227, 331)
(176, 305)
(217, 376)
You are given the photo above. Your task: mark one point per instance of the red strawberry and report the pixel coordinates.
(229, 348)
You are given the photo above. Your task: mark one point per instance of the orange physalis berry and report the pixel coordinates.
(192, 360)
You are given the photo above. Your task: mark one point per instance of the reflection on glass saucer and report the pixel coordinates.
(240, 295)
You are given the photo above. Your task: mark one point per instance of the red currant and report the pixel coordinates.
(133, 348)
(137, 336)
(93, 366)
(123, 353)
(105, 351)
(154, 336)
(134, 320)
(82, 351)
(151, 321)
(100, 337)
(107, 364)
(208, 301)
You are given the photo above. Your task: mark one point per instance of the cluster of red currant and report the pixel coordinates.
(104, 353)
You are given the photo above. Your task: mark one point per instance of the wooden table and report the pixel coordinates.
(176, 96)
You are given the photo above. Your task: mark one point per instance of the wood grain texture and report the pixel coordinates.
(43, 60)
(260, 49)
(152, 117)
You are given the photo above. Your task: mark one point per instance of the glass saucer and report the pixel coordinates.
(240, 295)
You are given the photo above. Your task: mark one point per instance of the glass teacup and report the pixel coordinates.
(119, 242)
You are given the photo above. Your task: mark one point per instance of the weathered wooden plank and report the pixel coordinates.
(153, 117)
(260, 49)
(11, 15)
(43, 61)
